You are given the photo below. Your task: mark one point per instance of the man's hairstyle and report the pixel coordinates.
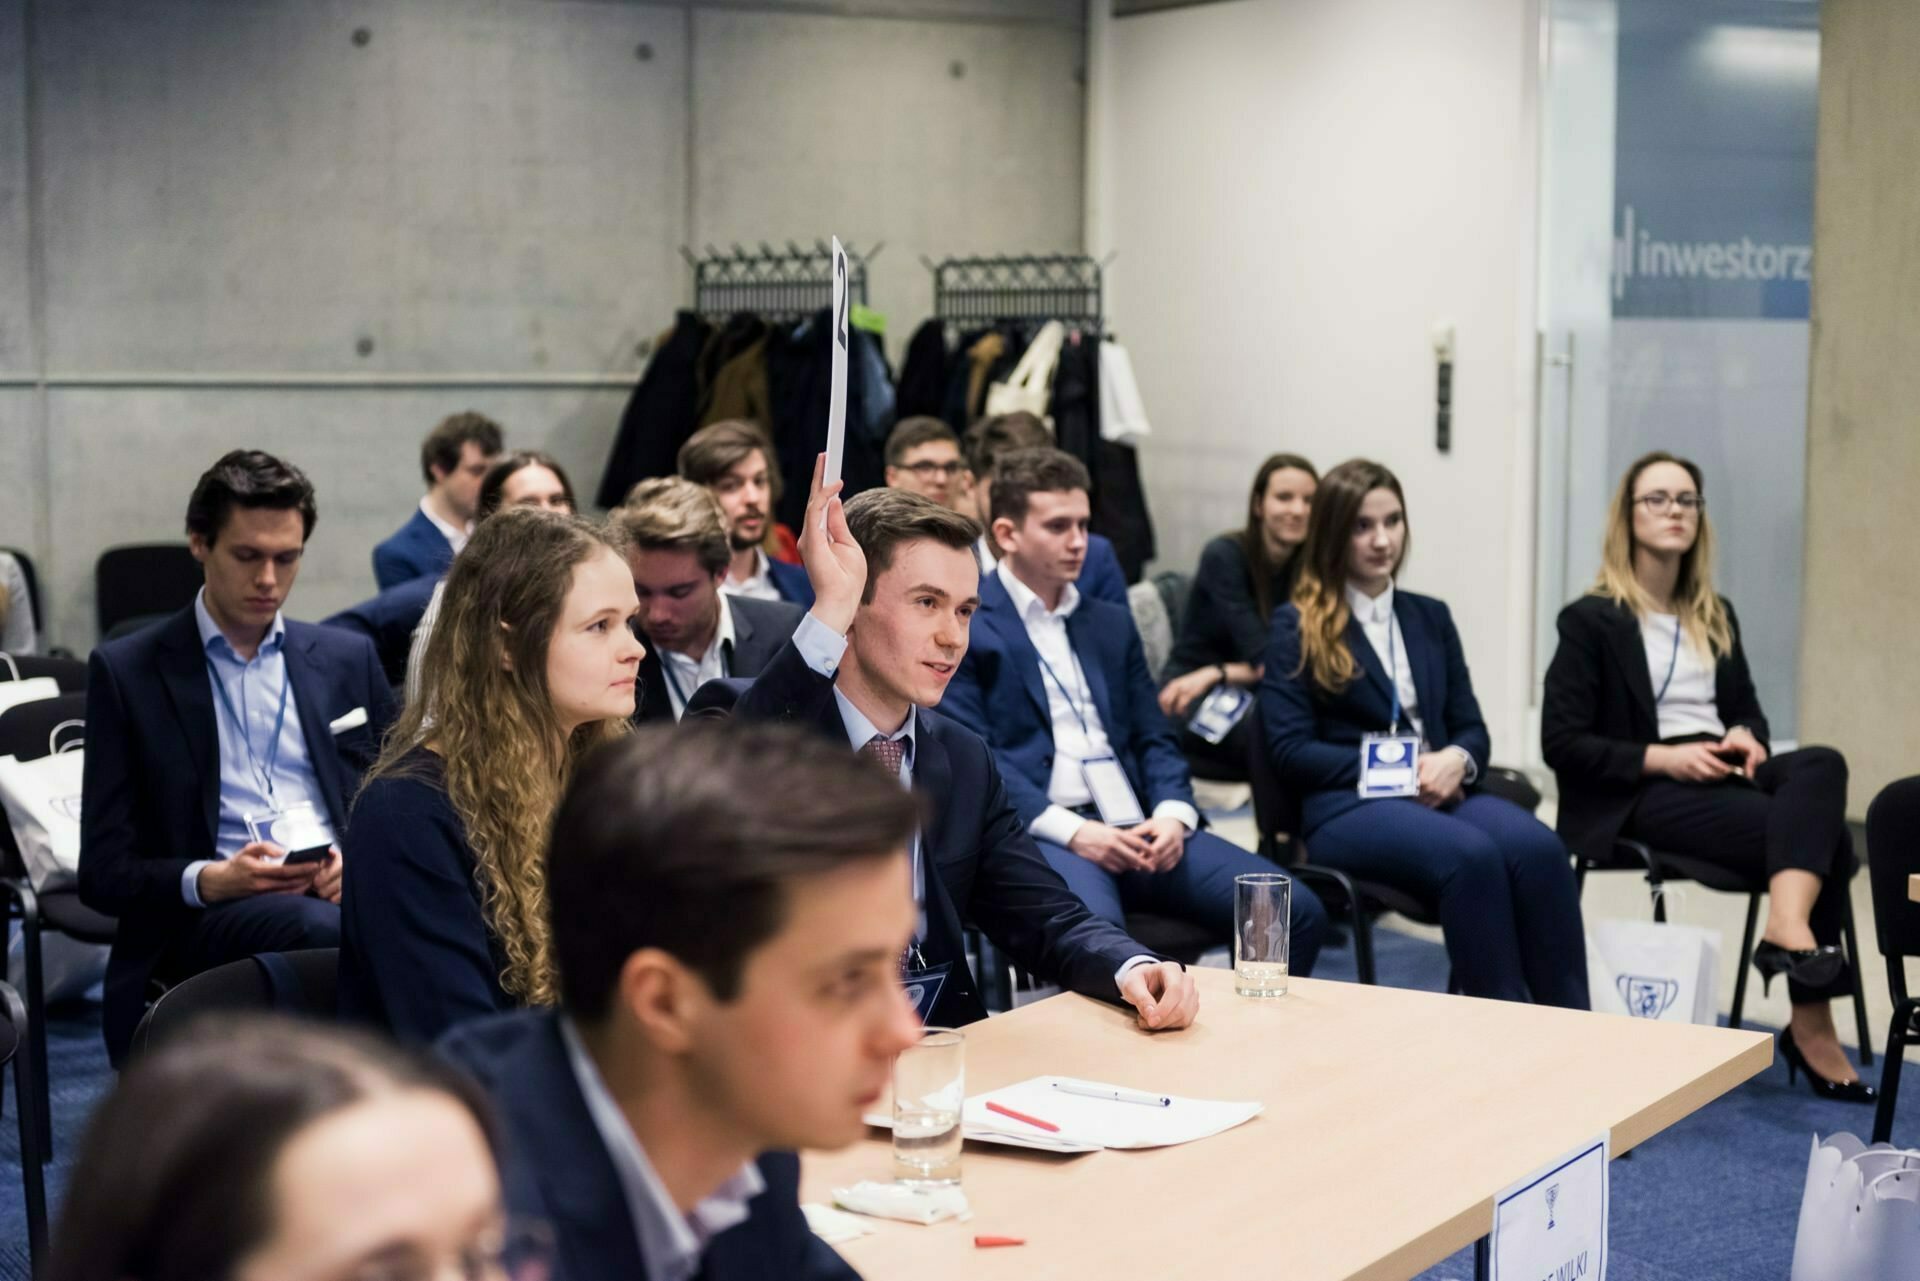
(671, 513)
(989, 438)
(252, 479)
(495, 484)
(717, 448)
(442, 447)
(1021, 474)
(911, 433)
(884, 520)
(685, 838)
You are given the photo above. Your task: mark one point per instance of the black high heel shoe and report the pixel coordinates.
(1838, 1091)
(1816, 967)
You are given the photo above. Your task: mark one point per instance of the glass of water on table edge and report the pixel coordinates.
(929, 1088)
(1262, 904)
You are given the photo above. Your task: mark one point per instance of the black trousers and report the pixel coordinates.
(1791, 816)
(238, 928)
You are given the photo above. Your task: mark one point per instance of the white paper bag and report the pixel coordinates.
(31, 690)
(1859, 1213)
(1654, 971)
(1030, 386)
(42, 803)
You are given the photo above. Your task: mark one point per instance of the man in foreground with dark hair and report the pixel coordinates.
(729, 904)
(224, 721)
(895, 588)
(454, 459)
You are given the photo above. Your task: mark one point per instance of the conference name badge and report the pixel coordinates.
(1112, 794)
(1224, 707)
(1389, 765)
(297, 829)
(1553, 1223)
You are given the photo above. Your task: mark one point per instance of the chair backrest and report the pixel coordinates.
(70, 674)
(301, 983)
(1893, 855)
(32, 576)
(1155, 628)
(1276, 811)
(1174, 588)
(143, 578)
(28, 731)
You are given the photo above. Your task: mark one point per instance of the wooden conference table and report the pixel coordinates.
(1392, 1120)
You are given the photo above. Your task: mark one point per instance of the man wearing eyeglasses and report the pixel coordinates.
(923, 457)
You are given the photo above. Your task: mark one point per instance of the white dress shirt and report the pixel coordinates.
(1689, 703)
(1376, 618)
(684, 673)
(1078, 735)
(759, 586)
(456, 535)
(984, 553)
(671, 1243)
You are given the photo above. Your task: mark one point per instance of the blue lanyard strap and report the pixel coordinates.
(246, 735)
(1393, 677)
(1672, 660)
(666, 672)
(1066, 693)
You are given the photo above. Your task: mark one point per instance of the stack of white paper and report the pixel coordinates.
(1087, 1123)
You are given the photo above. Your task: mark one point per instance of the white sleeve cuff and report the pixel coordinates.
(820, 646)
(1473, 766)
(1132, 963)
(190, 883)
(1188, 816)
(1056, 823)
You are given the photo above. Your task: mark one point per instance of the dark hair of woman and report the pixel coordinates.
(1321, 591)
(174, 1179)
(1253, 542)
(495, 481)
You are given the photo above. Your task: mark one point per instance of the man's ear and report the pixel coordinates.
(664, 999)
(197, 544)
(1001, 531)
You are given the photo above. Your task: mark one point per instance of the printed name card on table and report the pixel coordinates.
(1552, 1225)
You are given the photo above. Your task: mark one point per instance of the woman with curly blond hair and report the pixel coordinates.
(532, 665)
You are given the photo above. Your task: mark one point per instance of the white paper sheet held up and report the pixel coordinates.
(1102, 1122)
(837, 386)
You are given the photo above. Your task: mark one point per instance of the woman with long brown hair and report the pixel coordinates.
(1370, 718)
(1653, 726)
(1244, 575)
(532, 664)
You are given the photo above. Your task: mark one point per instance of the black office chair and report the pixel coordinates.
(30, 731)
(70, 674)
(1893, 857)
(302, 983)
(1660, 867)
(142, 579)
(27, 1096)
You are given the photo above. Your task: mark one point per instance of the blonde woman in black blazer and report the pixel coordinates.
(1653, 727)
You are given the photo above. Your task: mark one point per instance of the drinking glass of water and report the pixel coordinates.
(1261, 904)
(929, 1087)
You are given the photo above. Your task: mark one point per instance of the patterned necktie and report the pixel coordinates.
(890, 752)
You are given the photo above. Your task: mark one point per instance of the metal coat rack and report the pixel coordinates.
(985, 291)
(775, 284)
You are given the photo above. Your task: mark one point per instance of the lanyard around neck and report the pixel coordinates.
(1672, 661)
(1066, 693)
(246, 735)
(673, 685)
(1393, 676)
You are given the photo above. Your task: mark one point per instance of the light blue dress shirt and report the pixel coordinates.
(671, 1243)
(252, 694)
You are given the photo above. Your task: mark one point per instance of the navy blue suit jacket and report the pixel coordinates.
(389, 620)
(1000, 694)
(1101, 577)
(987, 872)
(151, 791)
(1314, 736)
(417, 549)
(791, 582)
(556, 1167)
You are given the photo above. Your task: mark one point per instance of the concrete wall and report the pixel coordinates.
(1862, 613)
(1299, 190)
(220, 204)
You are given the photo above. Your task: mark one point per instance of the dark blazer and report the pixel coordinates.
(987, 871)
(1598, 716)
(555, 1167)
(791, 582)
(760, 628)
(1000, 694)
(1101, 576)
(389, 620)
(151, 792)
(416, 953)
(1314, 736)
(417, 549)
(1223, 622)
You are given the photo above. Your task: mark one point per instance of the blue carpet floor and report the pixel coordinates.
(1715, 1196)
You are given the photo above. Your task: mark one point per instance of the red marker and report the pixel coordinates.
(987, 1243)
(1034, 1121)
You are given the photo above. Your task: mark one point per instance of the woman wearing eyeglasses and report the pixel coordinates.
(1652, 724)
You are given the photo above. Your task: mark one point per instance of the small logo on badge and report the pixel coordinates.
(1647, 998)
(1553, 1194)
(1390, 753)
(914, 992)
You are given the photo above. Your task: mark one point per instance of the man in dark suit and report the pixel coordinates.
(694, 632)
(388, 620)
(895, 590)
(454, 459)
(734, 460)
(1057, 683)
(223, 713)
(730, 906)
